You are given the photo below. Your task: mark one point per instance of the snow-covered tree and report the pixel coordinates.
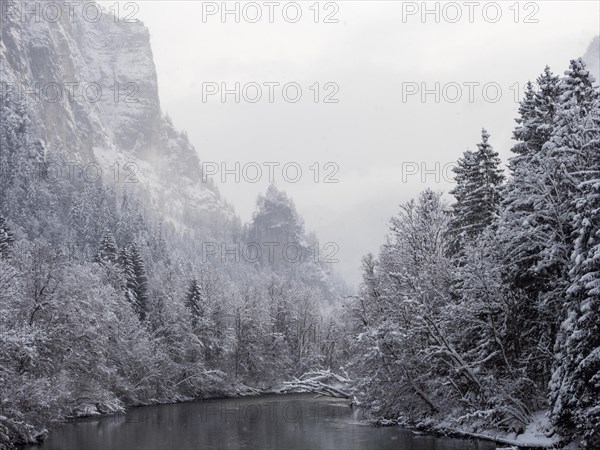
(479, 177)
(518, 238)
(575, 385)
(6, 238)
(108, 251)
(196, 302)
(136, 288)
(536, 116)
(398, 312)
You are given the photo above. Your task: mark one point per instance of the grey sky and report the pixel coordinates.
(371, 132)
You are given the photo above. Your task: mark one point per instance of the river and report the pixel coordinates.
(298, 421)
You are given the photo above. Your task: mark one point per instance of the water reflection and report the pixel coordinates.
(270, 422)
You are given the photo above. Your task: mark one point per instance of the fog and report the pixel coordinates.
(383, 135)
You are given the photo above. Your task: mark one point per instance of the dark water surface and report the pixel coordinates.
(274, 422)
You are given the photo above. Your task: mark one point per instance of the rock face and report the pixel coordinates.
(89, 84)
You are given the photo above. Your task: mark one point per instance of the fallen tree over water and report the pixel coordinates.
(323, 382)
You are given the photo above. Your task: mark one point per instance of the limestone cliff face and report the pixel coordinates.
(90, 88)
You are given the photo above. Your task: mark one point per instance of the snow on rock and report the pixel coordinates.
(106, 108)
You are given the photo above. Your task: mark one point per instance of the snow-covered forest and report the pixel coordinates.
(483, 312)
(480, 313)
(147, 317)
(139, 286)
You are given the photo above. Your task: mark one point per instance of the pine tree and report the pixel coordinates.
(518, 227)
(195, 301)
(158, 243)
(515, 229)
(126, 266)
(131, 221)
(527, 111)
(575, 384)
(562, 163)
(136, 280)
(141, 283)
(107, 250)
(536, 116)
(6, 238)
(479, 178)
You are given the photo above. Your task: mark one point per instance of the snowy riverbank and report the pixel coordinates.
(537, 435)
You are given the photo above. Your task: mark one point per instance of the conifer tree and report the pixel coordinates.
(536, 116)
(195, 301)
(479, 178)
(107, 250)
(535, 124)
(136, 280)
(575, 387)
(575, 384)
(141, 283)
(562, 165)
(6, 238)
(517, 234)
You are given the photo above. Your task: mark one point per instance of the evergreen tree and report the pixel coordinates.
(575, 384)
(195, 301)
(515, 229)
(141, 283)
(479, 178)
(107, 250)
(136, 280)
(126, 266)
(6, 238)
(562, 166)
(462, 212)
(14, 140)
(536, 116)
(518, 229)
(158, 244)
(131, 221)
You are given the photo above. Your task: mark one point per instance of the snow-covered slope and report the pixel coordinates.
(91, 90)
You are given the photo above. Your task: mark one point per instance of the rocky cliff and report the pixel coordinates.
(88, 82)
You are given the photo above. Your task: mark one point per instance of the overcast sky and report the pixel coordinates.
(372, 134)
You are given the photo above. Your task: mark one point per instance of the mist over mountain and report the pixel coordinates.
(124, 277)
(91, 93)
(126, 280)
(592, 58)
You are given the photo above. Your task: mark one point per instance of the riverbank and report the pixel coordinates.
(27, 434)
(288, 421)
(535, 435)
(227, 391)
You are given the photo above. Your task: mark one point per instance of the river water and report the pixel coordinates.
(299, 421)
